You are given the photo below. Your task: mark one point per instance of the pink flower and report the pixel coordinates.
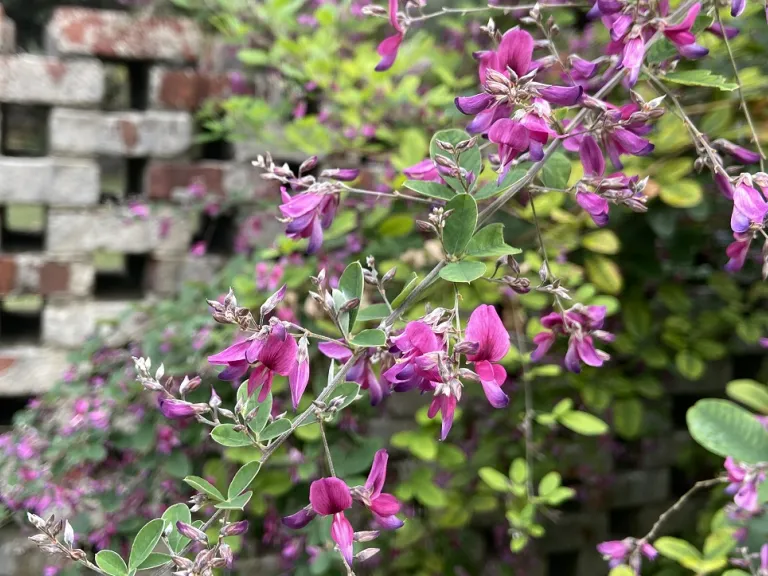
(617, 552)
(413, 369)
(425, 170)
(389, 47)
(445, 403)
(298, 378)
(487, 331)
(512, 139)
(743, 483)
(383, 506)
(737, 252)
(178, 409)
(308, 214)
(361, 371)
(582, 323)
(198, 249)
(330, 497)
(749, 207)
(682, 36)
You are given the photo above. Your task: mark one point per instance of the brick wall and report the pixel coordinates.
(105, 117)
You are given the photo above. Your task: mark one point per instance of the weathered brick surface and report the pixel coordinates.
(68, 324)
(29, 370)
(165, 179)
(32, 79)
(154, 133)
(83, 31)
(7, 34)
(185, 89)
(7, 274)
(54, 181)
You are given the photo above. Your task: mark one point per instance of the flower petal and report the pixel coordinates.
(515, 51)
(343, 534)
(385, 505)
(378, 474)
(486, 328)
(329, 496)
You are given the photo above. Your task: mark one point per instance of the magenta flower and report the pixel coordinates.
(307, 215)
(737, 252)
(582, 323)
(274, 354)
(341, 174)
(361, 372)
(739, 153)
(414, 368)
(177, 409)
(443, 402)
(682, 37)
(389, 47)
(426, 170)
(383, 506)
(330, 497)
(487, 331)
(512, 139)
(729, 32)
(617, 552)
(596, 206)
(298, 378)
(750, 208)
(743, 483)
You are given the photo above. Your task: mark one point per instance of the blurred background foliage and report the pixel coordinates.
(684, 327)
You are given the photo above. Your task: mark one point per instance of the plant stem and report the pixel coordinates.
(462, 11)
(394, 194)
(325, 447)
(744, 107)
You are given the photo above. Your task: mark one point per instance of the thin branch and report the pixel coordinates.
(744, 107)
(505, 9)
(327, 450)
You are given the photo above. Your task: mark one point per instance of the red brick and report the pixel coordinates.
(185, 89)
(6, 363)
(7, 274)
(54, 277)
(112, 34)
(163, 178)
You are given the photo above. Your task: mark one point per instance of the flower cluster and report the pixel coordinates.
(748, 218)
(743, 484)
(618, 552)
(331, 497)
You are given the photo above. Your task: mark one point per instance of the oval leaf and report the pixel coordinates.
(154, 560)
(431, 189)
(495, 479)
(493, 188)
(679, 550)
(470, 160)
(628, 417)
(556, 171)
(176, 513)
(602, 242)
(690, 365)
(460, 224)
(373, 312)
(700, 78)
(236, 503)
(203, 486)
(262, 414)
(682, 194)
(726, 429)
(145, 543)
(111, 562)
(370, 338)
(465, 271)
(275, 429)
(351, 286)
(489, 243)
(749, 393)
(409, 287)
(226, 435)
(243, 479)
(583, 423)
(604, 274)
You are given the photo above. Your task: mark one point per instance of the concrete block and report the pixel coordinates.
(69, 324)
(54, 181)
(187, 89)
(30, 370)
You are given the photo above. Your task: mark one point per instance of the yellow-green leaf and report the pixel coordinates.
(604, 273)
(602, 242)
(682, 194)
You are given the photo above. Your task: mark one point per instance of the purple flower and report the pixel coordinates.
(341, 174)
(383, 506)
(737, 252)
(298, 378)
(743, 483)
(445, 403)
(512, 139)
(487, 331)
(596, 206)
(361, 372)
(737, 7)
(682, 36)
(749, 207)
(177, 409)
(582, 323)
(308, 214)
(330, 497)
(738, 152)
(584, 69)
(617, 552)
(389, 47)
(426, 170)
(409, 372)
(729, 32)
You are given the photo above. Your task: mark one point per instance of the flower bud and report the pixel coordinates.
(373, 10)
(308, 165)
(446, 162)
(349, 305)
(445, 146)
(36, 521)
(273, 301)
(467, 347)
(300, 518)
(69, 534)
(189, 531)
(215, 400)
(77, 555)
(188, 385)
(235, 529)
(366, 536)
(424, 226)
(175, 409)
(389, 275)
(466, 144)
(225, 553)
(366, 554)
(341, 174)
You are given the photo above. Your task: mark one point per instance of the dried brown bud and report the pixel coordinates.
(466, 144)
(445, 162)
(425, 226)
(446, 146)
(349, 305)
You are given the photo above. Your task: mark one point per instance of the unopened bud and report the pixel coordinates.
(230, 301)
(389, 275)
(373, 10)
(235, 529)
(467, 347)
(215, 400)
(518, 284)
(188, 385)
(189, 531)
(369, 277)
(424, 226)
(466, 144)
(308, 165)
(77, 555)
(40, 539)
(366, 536)
(349, 305)
(445, 162)
(273, 301)
(69, 534)
(446, 146)
(366, 554)
(36, 521)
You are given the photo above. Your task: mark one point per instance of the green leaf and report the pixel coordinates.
(154, 560)
(628, 417)
(351, 286)
(226, 435)
(465, 271)
(111, 562)
(518, 471)
(275, 429)
(492, 188)
(749, 393)
(604, 273)
(556, 171)
(726, 429)
(679, 550)
(622, 570)
(719, 543)
(489, 242)
(495, 479)
(253, 57)
(560, 495)
(431, 495)
(460, 224)
(470, 160)
(602, 242)
(431, 189)
(176, 513)
(409, 287)
(145, 542)
(583, 423)
(396, 226)
(682, 193)
(236, 503)
(369, 338)
(549, 484)
(243, 479)
(700, 78)
(262, 413)
(373, 312)
(689, 364)
(202, 485)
